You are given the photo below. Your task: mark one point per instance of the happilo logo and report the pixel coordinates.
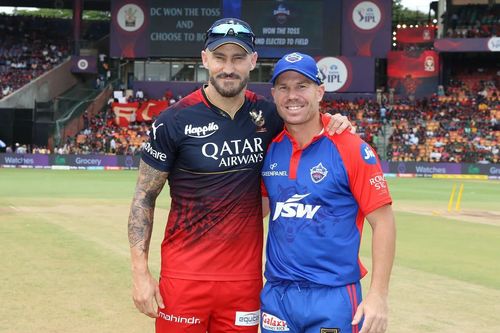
(130, 17)
(366, 15)
(82, 64)
(247, 318)
(273, 323)
(335, 73)
(494, 44)
(293, 208)
(201, 131)
(367, 154)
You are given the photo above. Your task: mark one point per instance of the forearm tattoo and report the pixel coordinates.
(140, 222)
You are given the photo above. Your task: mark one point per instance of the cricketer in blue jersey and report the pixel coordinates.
(320, 189)
(209, 146)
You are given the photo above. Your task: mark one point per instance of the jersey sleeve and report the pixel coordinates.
(160, 151)
(366, 178)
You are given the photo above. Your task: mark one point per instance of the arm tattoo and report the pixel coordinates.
(140, 222)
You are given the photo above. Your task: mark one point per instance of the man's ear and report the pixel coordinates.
(321, 92)
(204, 58)
(254, 60)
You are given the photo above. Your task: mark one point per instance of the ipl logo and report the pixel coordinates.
(366, 15)
(334, 72)
(494, 44)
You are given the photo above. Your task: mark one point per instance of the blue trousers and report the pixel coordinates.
(302, 307)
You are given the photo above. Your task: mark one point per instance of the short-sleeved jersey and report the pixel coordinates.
(214, 228)
(319, 197)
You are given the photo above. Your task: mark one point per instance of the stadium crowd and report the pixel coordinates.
(31, 46)
(461, 125)
(473, 21)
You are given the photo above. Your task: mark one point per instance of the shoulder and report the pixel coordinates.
(346, 139)
(188, 103)
(353, 149)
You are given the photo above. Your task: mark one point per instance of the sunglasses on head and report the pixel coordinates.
(231, 29)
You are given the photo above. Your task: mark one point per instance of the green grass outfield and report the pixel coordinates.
(64, 258)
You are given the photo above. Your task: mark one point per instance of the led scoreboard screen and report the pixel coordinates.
(309, 26)
(178, 28)
(158, 28)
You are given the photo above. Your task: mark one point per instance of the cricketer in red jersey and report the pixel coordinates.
(210, 146)
(321, 188)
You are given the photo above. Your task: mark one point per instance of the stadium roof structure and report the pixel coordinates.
(99, 5)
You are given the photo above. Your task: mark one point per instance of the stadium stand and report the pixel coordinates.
(459, 123)
(29, 47)
(472, 21)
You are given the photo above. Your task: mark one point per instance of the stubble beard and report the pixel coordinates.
(229, 91)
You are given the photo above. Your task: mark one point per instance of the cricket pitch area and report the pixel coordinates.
(65, 257)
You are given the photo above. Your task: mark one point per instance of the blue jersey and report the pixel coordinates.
(319, 197)
(214, 229)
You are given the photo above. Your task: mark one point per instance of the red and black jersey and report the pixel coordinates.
(214, 229)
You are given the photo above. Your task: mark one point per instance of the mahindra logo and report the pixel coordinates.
(202, 131)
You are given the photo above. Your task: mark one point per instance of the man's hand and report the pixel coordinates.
(146, 294)
(338, 123)
(374, 309)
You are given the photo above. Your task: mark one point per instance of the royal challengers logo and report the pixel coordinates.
(258, 119)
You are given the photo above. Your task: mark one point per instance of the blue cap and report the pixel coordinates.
(298, 62)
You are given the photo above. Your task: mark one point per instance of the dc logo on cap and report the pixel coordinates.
(293, 57)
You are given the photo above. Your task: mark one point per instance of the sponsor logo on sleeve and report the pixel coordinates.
(318, 173)
(155, 128)
(378, 182)
(247, 318)
(273, 323)
(156, 154)
(367, 154)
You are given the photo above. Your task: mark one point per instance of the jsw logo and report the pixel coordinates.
(291, 208)
(368, 153)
